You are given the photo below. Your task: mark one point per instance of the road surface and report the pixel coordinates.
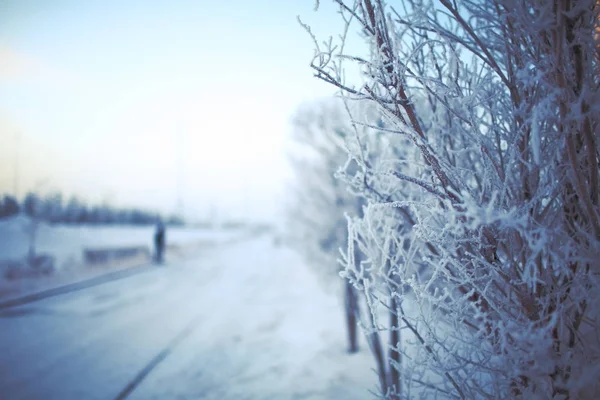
(242, 321)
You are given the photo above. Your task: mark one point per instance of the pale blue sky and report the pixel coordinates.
(113, 98)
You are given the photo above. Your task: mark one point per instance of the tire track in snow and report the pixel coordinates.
(76, 286)
(161, 356)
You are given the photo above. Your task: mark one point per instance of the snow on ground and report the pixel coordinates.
(66, 244)
(276, 335)
(265, 329)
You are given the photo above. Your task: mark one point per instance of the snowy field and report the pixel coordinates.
(66, 242)
(246, 320)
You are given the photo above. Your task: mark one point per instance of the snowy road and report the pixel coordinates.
(243, 321)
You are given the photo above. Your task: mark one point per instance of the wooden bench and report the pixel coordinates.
(102, 255)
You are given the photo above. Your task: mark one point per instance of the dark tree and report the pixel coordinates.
(9, 206)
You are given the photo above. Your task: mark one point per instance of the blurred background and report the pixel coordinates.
(115, 115)
(180, 107)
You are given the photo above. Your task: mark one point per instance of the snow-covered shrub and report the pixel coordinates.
(316, 213)
(316, 209)
(481, 235)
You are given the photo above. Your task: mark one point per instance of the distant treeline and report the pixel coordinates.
(52, 208)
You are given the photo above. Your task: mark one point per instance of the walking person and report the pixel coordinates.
(159, 241)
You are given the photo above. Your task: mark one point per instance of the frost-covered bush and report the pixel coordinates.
(322, 134)
(316, 209)
(481, 233)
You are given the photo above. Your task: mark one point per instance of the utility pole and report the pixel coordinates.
(16, 166)
(180, 171)
(247, 188)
